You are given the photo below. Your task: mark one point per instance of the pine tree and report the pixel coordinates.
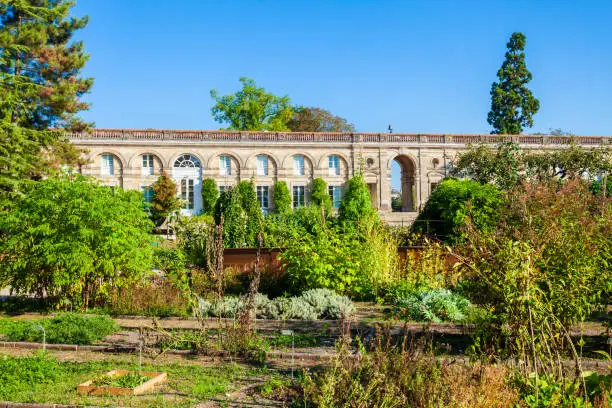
(210, 195)
(512, 103)
(39, 66)
(164, 201)
(282, 198)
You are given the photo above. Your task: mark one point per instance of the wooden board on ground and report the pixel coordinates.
(156, 378)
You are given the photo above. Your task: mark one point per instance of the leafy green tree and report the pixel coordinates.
(229, 206)
(164, 202)
(356, 204)
(282, 198)
(71, 238)
(310, 119)
(319, 195)
(40, 66)
(512, 103)
(454, 203)
(210, 195)
(252, 108)
(502, 166)
(252, 209)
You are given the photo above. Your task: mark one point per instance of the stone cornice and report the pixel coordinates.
(196, 136)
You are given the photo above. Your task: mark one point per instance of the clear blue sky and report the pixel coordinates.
(420, 66)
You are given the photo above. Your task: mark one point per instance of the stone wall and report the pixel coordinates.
(423, 158)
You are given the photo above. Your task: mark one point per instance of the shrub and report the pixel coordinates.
(328, 304)
(295, 308)
(453, 203)
(65, 328)
(312, 305)
(319, 195)
(282, 198)
(434, 305)
(210, 194)
(356, 203)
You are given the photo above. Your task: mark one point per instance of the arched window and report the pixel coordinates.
(298, 165)
(225, 165)
(334, 165)
(107, 166)
(262, 165)
(186, 160)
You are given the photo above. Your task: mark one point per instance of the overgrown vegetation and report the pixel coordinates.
(65, 328)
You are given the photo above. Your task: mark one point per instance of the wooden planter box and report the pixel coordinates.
(87, 388)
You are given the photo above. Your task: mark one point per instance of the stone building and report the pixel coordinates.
(133, 159)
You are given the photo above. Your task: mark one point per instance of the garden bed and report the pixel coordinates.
(111, 383)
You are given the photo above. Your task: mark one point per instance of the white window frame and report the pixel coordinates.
(148, 165)
(298, 165)
(225, 165)
(107, 166)
(336, 192)
(296, 203)
(187, 193)
(263, 199)
(262, 165)
(334, 165)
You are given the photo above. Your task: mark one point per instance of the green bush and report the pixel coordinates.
(210, 195)
(282, 198)
(15, 373)
(436, 305)
(453, 202)
(65, 328)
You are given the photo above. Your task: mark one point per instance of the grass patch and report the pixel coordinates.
(300, 340)
(45, 380)
(65, 328)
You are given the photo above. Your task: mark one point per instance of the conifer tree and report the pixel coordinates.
(40, 65)
(229, 205)
(210, 195)
(282, 198)
(164, 201)
(248, 199)
(512, 103)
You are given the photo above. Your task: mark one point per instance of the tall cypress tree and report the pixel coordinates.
(40, 65)
(512, 103)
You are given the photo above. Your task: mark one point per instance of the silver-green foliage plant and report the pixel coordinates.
(435, 305)
(311, 305)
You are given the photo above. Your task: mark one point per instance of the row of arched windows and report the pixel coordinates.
(108, 165)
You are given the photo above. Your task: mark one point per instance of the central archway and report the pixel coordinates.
(403, 182)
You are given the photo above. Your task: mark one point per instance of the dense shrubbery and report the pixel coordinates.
(311, 305)
(65, 328)
(453, 203)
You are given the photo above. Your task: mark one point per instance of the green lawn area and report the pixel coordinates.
(46, 380)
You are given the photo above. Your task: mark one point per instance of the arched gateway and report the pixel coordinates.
(296, 158)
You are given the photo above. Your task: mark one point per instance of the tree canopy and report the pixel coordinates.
(252, 108)
(311, 119)
(512, 103)
(40, 65)
(73, 239)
